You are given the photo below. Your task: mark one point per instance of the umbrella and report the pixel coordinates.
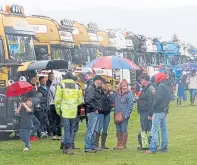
(112, 62)
(18, 88)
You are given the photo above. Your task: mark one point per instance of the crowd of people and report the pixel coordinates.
(53, 108)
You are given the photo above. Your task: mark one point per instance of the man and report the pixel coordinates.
(43, 114)
(192, 85)
(145, 102)
(160, 110)
(93, 103)
(50, 79)
(172, 78)
(68, 97)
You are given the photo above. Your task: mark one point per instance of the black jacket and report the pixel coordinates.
(43, 102)
(48, 83)
(106, 105)
(163, 97)
(146, 98)
(93, 99)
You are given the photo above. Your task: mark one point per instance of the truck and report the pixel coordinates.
(86, 41)
(107, 42)
(55, 40)
(16, 46)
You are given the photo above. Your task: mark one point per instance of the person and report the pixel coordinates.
(93, 103)
(51, 77)
(160, 110)
(36, 122)
(172, 78)
(89, 81)
(67, 99)
(104, 118)
(180, 91)
(192, 85)
(54, 118)
(123, 105)
(25, 111)
(43, 114)
(145, 102)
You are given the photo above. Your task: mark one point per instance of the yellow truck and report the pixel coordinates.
(86, 40)
(107, 43)
(55, 39)
(16, 46)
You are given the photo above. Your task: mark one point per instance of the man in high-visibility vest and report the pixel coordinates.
(68, 97)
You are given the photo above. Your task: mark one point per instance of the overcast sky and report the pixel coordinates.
(57, 8)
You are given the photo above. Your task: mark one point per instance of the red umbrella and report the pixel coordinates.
(18, 88)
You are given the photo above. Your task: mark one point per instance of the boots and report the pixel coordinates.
(103, 141)
(124, 140)
(61, 145)
(119, 141)
(97, 137)
(68, 151)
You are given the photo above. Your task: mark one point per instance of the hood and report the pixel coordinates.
(55, 82)
(159, 77)
(68, 81)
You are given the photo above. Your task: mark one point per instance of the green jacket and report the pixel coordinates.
(68, 97)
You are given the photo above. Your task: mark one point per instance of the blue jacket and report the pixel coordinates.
(124, 103)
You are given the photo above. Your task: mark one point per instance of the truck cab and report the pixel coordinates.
(172, 53)
(107, 43)
(86, 41)
(16, 46)
(55, 40)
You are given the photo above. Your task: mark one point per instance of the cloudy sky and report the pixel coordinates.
(159, 18)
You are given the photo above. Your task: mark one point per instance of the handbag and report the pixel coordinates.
(118, 118)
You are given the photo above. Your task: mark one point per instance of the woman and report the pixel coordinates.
(104, 117)
(54, 118)
(123, 108)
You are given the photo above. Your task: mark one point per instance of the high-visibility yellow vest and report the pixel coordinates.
(68, 97)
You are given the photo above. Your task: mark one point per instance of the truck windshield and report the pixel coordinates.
(21, 47)
(61, 54)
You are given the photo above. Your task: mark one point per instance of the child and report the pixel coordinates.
(26, 124)
(180, 92)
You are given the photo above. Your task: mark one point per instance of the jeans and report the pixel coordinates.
(102, 123)
(25, 135)
(55, 121)
(122, 127)
(36, 125)
(159, 119)
(89, 139)
(145, 123)
(74, 130)
(67, 125)
(192, 95)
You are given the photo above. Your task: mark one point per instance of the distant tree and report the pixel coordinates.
(190, 46)
(175, 38)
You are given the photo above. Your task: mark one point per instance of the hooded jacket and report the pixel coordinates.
(146, 98)
(67, 99)
(163, 97)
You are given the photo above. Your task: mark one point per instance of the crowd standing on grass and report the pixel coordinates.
(53, 108)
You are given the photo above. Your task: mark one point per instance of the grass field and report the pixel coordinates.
(182, 124)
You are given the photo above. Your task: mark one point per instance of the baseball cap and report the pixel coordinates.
(98, 77)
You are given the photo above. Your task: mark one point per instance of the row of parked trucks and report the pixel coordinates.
(27, 42)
